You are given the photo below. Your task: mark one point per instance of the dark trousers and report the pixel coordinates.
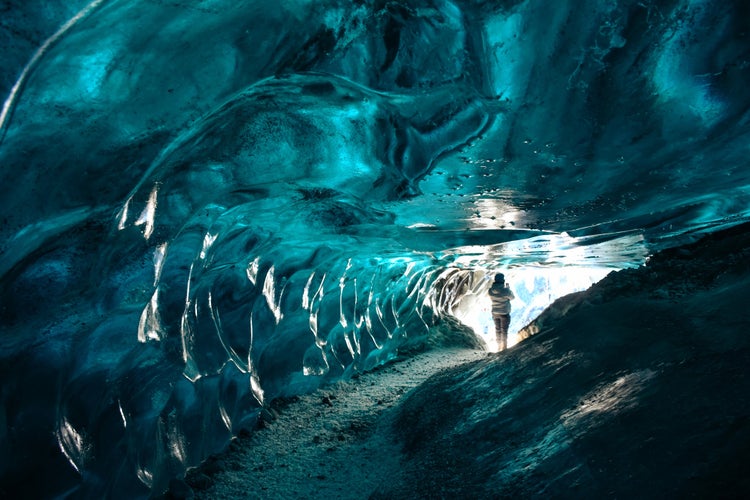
(501, 330)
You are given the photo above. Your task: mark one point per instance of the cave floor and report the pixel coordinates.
(336, 442)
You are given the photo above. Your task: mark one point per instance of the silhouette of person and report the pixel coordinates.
(501, 295)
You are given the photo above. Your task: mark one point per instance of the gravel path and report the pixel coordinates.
(333, 443)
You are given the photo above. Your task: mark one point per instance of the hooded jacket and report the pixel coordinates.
(501, 296)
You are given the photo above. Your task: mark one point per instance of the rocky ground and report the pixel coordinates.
(334, 443)
(636, 388)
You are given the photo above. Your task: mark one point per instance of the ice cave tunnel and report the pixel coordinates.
(208, 203)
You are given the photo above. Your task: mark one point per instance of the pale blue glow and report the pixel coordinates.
(509, 63)
(675, 81)
(94, 69)
(12, 97)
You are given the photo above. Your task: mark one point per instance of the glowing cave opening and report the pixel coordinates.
(535, 288)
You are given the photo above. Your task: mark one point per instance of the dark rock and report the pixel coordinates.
(179, 489)
(199, 480)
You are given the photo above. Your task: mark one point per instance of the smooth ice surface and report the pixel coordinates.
(209, 204)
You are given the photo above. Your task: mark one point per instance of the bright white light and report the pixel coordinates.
(495, 214)
(554, 250)
(534, 288)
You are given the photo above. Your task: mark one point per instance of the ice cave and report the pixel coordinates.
(208, 206)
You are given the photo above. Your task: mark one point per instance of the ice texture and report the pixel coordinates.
(209, 204)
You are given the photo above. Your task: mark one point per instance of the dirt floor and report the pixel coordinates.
(334, 443)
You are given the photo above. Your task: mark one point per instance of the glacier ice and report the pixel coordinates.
(205, 205)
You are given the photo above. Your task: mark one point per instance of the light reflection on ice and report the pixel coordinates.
(159, 254)
(149, 326)
(71, 443)
(146, 219)
(269, 292)
(614, 250)
(495, 214)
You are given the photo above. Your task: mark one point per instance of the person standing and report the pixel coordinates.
(501, 295)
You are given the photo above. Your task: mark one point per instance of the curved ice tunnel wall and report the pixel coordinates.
(201, 369)
(247, 334)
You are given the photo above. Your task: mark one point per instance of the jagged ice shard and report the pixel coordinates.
(209, 204)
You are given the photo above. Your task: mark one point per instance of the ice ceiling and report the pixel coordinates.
(209, 203)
